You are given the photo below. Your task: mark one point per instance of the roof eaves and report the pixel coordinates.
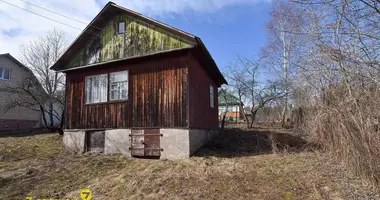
(124, 59)
(54, 67)
(205, 50)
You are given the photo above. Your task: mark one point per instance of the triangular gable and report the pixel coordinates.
(144, 36)
(101, 42)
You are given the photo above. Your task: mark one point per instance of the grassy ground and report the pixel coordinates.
(238, 165)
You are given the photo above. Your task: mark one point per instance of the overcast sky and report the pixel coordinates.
(228, 27)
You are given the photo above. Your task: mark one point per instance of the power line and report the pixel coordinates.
(57, 13)
(48, 18)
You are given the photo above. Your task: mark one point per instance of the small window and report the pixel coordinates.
(4, 74)
(119, 86)
(211, 96)
(121, 28)
(96, 89)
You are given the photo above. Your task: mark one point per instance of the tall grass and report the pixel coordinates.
(347, 124)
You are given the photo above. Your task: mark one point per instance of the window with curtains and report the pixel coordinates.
(96, 89)
(119, 86)
(211, 96)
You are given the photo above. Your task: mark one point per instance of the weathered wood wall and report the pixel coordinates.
(158, 91)
(140, 38)
(201, 115)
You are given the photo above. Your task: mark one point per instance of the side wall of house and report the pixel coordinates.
(157, 95)
(201, 114)
(11, 117)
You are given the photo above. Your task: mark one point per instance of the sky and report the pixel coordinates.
(227, 27)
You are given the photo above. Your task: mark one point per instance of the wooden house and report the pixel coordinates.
(139, 87)
(230, 106)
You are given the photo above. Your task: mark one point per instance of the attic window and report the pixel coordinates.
(121, 28)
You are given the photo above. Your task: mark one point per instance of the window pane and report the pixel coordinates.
(121, 27)
(1, 73)
(96, 89)
(114, 95)
(6, 74)
(119, 82)
(88, 90)
(119, 76)
(114, 86)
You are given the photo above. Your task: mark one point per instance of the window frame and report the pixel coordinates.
(212, 96)
(3, 69)
(108, 79)
(118, 27)
(85, 89)
(110, 90)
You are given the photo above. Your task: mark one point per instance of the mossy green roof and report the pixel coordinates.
(224, 95)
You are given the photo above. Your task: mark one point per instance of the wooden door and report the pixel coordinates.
(145, 142)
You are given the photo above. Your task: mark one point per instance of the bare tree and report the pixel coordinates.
(246, 74)
(223, 95)
(338, 76)
(283, 29)
(39, 55)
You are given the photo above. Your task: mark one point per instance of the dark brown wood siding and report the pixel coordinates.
(201, 115)
(157, 95)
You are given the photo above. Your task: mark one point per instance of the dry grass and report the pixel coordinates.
(34, 166)
(347, 124)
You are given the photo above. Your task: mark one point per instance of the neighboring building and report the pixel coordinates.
(139, 87)
(229, 105)
(12, 77)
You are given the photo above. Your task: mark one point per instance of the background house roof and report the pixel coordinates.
(224, 97)
(9, 56)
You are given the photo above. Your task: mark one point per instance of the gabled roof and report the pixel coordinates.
(226, 97)
(22, 66)
(109, 10)
(9, 56)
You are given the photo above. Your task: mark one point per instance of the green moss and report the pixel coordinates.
(140, 39)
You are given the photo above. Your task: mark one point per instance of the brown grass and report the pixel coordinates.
(346, 124)
(34, 166)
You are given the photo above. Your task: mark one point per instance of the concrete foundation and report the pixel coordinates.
(175, 143)
(200, 137)
(117, 141)
(74, 141)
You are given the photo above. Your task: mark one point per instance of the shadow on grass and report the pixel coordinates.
(25, 133)
(237, 142)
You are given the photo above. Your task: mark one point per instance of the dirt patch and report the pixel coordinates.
(34, 166)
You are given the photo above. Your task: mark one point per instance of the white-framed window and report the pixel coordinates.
(118, 86)
(211, 96)
(96, 89)
(5, 74)
(121, 28)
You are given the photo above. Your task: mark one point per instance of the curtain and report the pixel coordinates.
(96, 89)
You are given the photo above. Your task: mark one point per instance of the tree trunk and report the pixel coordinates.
(43, 115)
(223, 121)
(51, 113)
(253, 117)
(61, 123)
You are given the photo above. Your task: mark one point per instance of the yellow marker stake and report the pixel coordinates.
(86, 194)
